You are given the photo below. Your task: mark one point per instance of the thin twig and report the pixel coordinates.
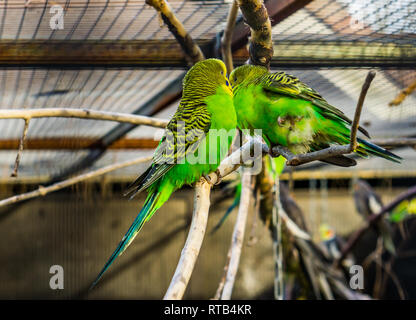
(28, 114)
(356, 122)
(42, 191)
(403, 94)
(19, 152)
(193, 243)
(252, 240)
(238, 234)
(226, 40)
(224, 276)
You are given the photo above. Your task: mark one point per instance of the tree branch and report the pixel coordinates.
(190, 48)
(238, 235)
(42, 191)
(403, 94)
(261, 46)
(21, 144)
(29, 114)
(193, 243)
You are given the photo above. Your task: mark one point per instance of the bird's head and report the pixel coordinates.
(246, 72)
(206, 76)
(326, 232)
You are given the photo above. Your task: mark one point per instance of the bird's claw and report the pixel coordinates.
(208, 179)
(218, 180)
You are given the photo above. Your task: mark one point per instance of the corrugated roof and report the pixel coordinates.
(125, 90)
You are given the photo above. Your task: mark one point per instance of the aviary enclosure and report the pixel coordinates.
(309, 208)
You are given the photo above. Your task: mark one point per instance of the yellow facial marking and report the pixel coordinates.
(227, 89)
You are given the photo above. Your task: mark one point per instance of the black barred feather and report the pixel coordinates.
(283, 83)
(184, 131)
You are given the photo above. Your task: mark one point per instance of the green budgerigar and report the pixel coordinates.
(293, 115)
(188, 150)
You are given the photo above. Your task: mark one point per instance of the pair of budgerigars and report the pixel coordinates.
(288, 112)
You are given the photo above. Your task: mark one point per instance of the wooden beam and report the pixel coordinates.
(87, 53)
(78, 143)
(66, 143)
(333, 51)
(313, 51)
(125, 53)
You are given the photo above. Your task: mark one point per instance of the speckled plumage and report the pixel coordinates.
(293, 115)
(206, 104)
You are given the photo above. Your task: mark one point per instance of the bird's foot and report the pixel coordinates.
(217, 181)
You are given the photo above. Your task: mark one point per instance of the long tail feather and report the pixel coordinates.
(153, 202)
(374, 149)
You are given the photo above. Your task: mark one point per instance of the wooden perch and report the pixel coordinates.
(193, 243)
(238, 235)
(261, 45)
(19, 152)
(190, 48)
(403, 94)
(295, 160)
(28, 114)
(42, 191)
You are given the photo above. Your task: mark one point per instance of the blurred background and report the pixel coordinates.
(113, 55)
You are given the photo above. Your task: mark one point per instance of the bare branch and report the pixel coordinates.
(353, 240)
(193, 243)
(238, 234)
(190, 48)
(403, 94)
(28, 114)
(356, 122)
(226, 52)
(222, 281)
(19, 152)
(261, 46)
(42, 191)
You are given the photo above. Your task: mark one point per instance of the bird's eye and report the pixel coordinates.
(222, 72)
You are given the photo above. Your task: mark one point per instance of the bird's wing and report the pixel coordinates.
(183, 134)
(285, 84)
